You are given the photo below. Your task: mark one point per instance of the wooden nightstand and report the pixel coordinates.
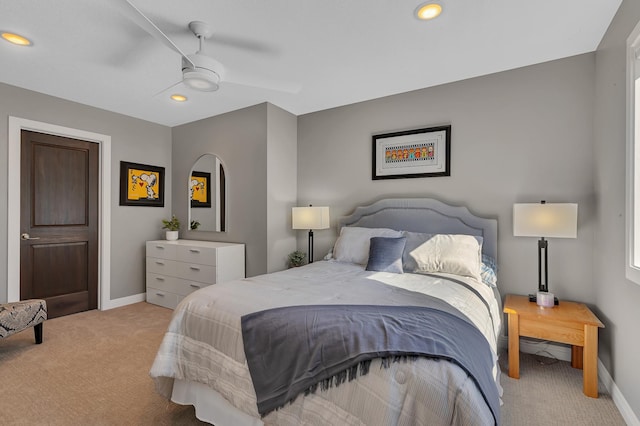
(569, 322)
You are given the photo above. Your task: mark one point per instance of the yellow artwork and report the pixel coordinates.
(144, 184)
(141, 185)
(199, 189)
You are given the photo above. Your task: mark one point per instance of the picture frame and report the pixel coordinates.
(422, 153)
(200, 189)
(141, 185)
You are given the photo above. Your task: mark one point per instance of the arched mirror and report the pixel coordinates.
(207, 195)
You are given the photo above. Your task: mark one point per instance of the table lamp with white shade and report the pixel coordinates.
(545, 220)
(310, 218)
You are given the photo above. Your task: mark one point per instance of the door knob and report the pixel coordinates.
(26, 236)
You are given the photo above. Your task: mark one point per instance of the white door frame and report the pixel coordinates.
(16, 125)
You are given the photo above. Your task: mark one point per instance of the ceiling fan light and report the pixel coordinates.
(203, 82)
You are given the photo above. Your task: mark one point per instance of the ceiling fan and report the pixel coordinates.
(199, 71)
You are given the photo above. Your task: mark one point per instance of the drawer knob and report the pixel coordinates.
(160, 247)
(194, 285)
(160, 278)
(159, 262)
(194, 250)
(160, 294)
(194, 268)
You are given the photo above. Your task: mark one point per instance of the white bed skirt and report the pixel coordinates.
(210, 406)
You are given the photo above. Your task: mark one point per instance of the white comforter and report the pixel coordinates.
(204, 344)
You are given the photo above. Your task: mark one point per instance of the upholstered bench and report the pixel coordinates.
(18, 316)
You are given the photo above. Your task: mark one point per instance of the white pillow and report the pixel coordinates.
(450, 253)
(352, 246)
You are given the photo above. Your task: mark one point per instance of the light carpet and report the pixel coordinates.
(93, 369)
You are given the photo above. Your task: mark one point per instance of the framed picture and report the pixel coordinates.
(141, 185)
(200, 189)
(412, 153)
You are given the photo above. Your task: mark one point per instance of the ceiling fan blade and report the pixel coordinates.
(132, 12)
(165, 90)
(242, 79)
(253, 46)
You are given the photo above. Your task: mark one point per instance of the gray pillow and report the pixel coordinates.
(385, 254)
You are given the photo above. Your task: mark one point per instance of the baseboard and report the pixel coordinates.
(618, 398)
(563, 352)
(124, 301)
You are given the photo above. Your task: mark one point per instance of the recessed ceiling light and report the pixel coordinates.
(16, 39)
(179, 98)
(428, 11)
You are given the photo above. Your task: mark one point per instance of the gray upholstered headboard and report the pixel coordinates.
(425, 215)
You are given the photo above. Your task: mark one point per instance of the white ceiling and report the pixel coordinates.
(338, 51)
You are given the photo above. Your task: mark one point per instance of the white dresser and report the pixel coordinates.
(177, 268)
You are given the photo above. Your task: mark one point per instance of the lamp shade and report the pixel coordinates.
(557, 220)
(310, 217)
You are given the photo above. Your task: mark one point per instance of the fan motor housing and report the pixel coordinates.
(206, 75)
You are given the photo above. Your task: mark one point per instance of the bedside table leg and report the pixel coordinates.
(514, 346)
(577, 357)
(590, 361)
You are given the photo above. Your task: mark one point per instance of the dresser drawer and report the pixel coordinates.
(196, 272)
(162, 298)
(175, 269)
(196, 254)
(161, 250)
(173, 284)
(161, 266)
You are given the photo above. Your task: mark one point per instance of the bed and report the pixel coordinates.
(399, 326)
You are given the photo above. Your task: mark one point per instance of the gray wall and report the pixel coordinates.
(617, 298)
(239, 139)
(282, 189)
(131, 140)
(257, 146)
(517, 136)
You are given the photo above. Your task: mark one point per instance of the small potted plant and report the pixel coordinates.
(194, 224)
(172, 226)
(296, 258)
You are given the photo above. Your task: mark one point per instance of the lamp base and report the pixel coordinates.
(534, 299)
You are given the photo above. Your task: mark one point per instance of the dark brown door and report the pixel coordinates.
(59, 222)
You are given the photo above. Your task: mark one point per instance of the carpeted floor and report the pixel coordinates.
(93, 369)
(549, 392)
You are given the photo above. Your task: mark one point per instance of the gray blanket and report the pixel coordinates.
(291, 350)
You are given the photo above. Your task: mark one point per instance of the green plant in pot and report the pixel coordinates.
(172, 226)
(296, 258)
(194, 224)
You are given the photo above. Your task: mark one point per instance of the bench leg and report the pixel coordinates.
(37, 330)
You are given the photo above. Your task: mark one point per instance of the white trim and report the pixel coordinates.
(618, 398)
(124, 301)
(563, 352)
(13, 204)
(632, 235)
